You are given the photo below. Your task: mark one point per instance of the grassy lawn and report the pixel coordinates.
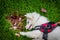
(7, 7)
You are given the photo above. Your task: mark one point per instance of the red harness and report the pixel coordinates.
(48, 27)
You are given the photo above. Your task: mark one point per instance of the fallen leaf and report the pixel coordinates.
(43, 10)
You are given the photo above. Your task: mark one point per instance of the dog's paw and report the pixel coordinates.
(22, 33)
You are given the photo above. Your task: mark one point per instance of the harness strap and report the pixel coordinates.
(45, 36)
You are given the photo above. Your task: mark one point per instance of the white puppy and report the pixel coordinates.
(35, 19)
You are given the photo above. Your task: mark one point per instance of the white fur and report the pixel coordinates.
(37, 19)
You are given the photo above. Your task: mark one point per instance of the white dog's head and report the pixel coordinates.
(32, 19)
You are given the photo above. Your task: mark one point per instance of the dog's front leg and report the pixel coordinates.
(31, 34)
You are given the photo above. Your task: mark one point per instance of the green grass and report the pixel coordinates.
(7, 7)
